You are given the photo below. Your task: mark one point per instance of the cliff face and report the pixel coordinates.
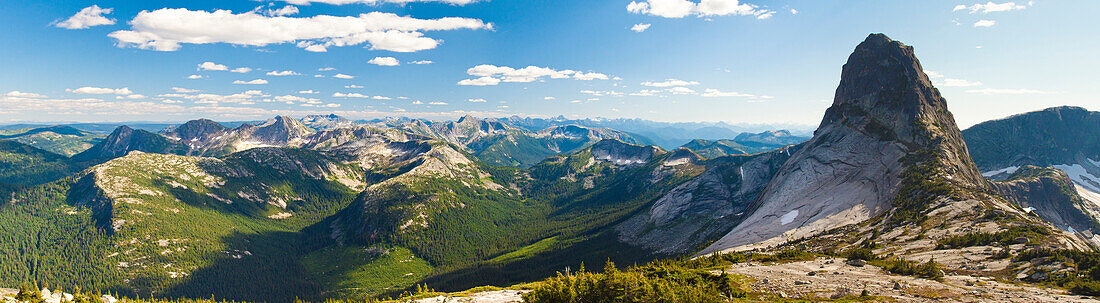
(1050, 194)
(886, 118)
(704, 208)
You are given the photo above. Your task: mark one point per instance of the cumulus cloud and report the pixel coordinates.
(680, 90)
(325, 69)
(100, 91)
(343, 76)
(669, 83)
(192, 77)
(253, 82)
(212, 66)
(241, 70)
(167, 29)
(483, 81)
(184, 90)
(984, 23)
(704, 8)
(422, 62)
(640, 27)
(19, 94)
(87, 17)
(478, 100)
(298, 99)
(437, 103)
(493, 75)
(282, 73)
(353, 86)
(384, 61)
(285, 11)
(989, 7)
(349, 95)
(549, 98)
(308, 92)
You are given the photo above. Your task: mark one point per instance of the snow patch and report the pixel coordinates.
(1081, 176)
(1007, 170)
(788, 218)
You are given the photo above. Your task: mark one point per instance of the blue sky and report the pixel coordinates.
(719, 60)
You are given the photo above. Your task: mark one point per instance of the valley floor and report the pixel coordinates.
(826, 278)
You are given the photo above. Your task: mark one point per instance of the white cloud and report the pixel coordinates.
(184, 90)
(1001, 91)
(493, 75)
(133, 97)
(253, 82)
(680, 90)
(645, 93)
(308, 92)
(589, 76)
(422, 62)
(984, 23)
(212, 66)
(932, 74)
(169, 101)
(241, 70)
(167, 29)
(343, 76)
(640, 27)
(704, 8)
(100, 91)
(384, 61)
(949, 82)
(437, 103)
(194, 77)
(483, 81)
(669, 83)
(478, 100)
(353, 86)
(794, 11)
(285, 11)
(282, 73)
(293, 98)
(989, 7)
(714, 93)
(549, 98)
(87, 17)
(381, 98)
(325, 69)
(19, 94)
(349, 95)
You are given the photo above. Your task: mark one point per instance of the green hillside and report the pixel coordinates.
(25, 164)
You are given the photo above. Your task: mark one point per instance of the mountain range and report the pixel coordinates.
(325, 207)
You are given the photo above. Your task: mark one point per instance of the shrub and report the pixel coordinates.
(654, 282)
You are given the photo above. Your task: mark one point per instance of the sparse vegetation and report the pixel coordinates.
(654, 282)
(1006, 237)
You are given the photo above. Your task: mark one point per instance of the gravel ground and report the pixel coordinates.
(833, 278)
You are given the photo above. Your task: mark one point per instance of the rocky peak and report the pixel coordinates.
(884, 92)
(621, 153)
(280, 129)
(196, 129)
(886, 119)
(124, 140)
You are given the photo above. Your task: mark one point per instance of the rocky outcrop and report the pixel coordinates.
(704, 208)
(885, 109)
(1050, 194)
(1057, 135)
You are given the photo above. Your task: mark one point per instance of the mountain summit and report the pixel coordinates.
(886, 120)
